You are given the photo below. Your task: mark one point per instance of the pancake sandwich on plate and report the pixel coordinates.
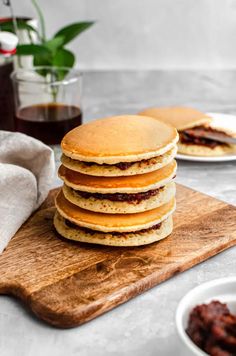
(118, 182)
(198, 134)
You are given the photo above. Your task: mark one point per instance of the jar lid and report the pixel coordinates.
(8, 43)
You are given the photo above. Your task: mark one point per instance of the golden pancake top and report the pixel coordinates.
(117, 139)
(180, 117)
(112, 222)
(136, 183)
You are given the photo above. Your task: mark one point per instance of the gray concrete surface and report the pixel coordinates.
(144, 325)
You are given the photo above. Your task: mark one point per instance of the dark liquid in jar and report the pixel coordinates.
(6, 98)
(48, 122)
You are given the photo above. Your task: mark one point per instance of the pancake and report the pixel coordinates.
(76, 233)
(180, 117)
(188, 121)
(119, 139)
(129, 184)
(193, 141)
(118, 187)
(121, 169)
(112, 222)
(120, 203)
(198, 150)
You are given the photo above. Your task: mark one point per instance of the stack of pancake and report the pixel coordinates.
(118, 181)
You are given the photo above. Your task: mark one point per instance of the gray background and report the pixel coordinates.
(146, 34)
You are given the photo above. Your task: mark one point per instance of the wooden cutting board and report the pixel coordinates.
(66, 283)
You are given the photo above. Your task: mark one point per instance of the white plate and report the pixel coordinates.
(221, 120)
(206, 159)
(223, 290)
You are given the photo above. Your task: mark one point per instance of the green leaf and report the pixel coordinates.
(53, 44)
(32, 50)
(63, 58)
(21, 25)
(42, 60)
(71, 31)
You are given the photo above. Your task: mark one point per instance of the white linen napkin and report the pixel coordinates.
(27, 169)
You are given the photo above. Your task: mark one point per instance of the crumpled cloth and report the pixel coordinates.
(27, 169)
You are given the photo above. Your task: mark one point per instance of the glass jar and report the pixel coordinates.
(47, 102)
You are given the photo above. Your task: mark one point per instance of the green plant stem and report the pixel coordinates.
(54, 92)
(50, 79)
(30, 37)
(41, 19)
(13, 17)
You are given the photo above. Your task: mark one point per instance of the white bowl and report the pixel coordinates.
(223, 290)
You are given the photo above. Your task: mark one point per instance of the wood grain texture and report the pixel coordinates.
(67, 283)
